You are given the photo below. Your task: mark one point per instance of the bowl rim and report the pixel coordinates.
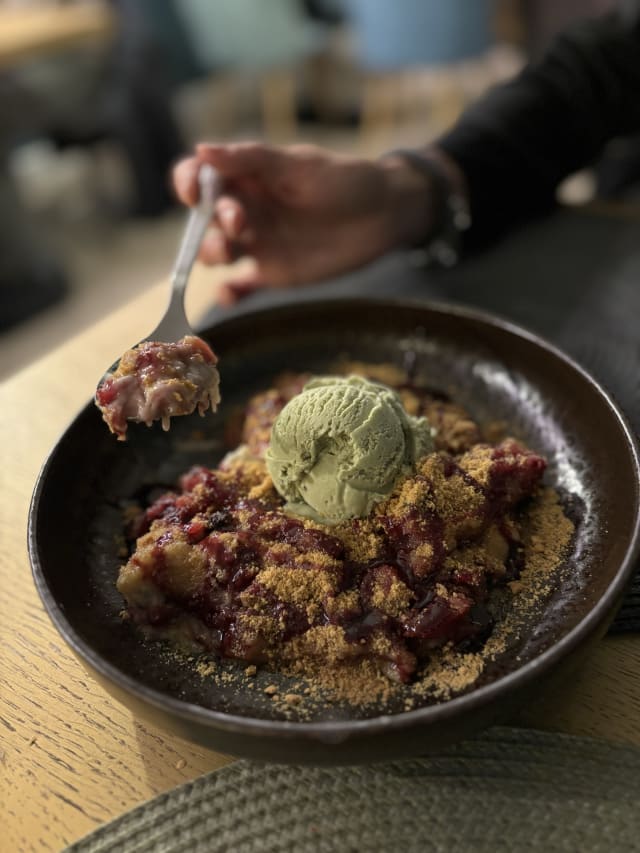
(338, 731)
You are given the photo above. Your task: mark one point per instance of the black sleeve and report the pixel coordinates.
(517, 143)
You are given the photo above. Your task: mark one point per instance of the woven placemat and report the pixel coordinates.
(509, 789)
(573, 278)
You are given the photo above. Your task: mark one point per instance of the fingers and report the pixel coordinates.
(231, 217)
(215, 248)
(185, 180)
(229, 236)
(242, 158)
(241, 161)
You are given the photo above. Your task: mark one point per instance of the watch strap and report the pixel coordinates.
(444, 244)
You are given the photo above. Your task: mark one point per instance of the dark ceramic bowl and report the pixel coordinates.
(494, 368)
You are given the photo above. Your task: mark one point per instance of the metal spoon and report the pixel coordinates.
(174, 324)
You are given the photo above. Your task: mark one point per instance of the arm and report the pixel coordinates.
(515, 145)
(304, 214)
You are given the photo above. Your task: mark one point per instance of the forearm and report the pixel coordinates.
(516, 144)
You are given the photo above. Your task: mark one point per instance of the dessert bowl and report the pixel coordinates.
(493, 368)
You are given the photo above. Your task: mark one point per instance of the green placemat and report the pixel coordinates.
(509, 789)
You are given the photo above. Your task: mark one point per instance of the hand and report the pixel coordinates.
(301, 213)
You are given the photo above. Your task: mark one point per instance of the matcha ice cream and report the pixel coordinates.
(339, 446)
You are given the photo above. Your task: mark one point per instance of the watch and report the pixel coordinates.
(444, 244)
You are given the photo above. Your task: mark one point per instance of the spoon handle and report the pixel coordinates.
(174, 320)
(199, 219)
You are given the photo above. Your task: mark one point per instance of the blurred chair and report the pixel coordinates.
(114, 88)
(401, 41)
(267, 41)
(126, 98)
(119, 91)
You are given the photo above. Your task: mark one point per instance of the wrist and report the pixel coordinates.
(430, 202)
(412, 202)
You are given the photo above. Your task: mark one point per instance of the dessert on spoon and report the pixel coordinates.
(172, 371)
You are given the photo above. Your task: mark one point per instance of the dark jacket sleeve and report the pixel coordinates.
(517, 143)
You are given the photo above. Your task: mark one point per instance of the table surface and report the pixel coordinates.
(33, 31)
(71, 757)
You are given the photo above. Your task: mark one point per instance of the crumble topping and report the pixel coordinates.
(397, 601)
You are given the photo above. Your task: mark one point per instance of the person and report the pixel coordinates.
(303, 214)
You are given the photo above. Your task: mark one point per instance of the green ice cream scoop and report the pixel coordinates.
(340, 445)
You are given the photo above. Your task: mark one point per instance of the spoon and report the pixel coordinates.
(172, 371)
(174, 324)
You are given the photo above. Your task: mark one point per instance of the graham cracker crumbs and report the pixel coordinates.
(360, 683)
(393, 597)
(546, 534)
(342, 604)
(477, 463)
(454, 497)
(495, 546)
(328, 663)
(326, 642)
(455, 431)
(361, 538)
(424, 550)
(410, 494)
(337, 626)
(545, 518)
(252, 473)
(317, 560)
(298, 586)
(448, 673)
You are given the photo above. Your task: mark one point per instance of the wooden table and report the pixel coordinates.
(70, 756)
(47, 28)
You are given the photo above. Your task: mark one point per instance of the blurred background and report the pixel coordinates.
(98, 99)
